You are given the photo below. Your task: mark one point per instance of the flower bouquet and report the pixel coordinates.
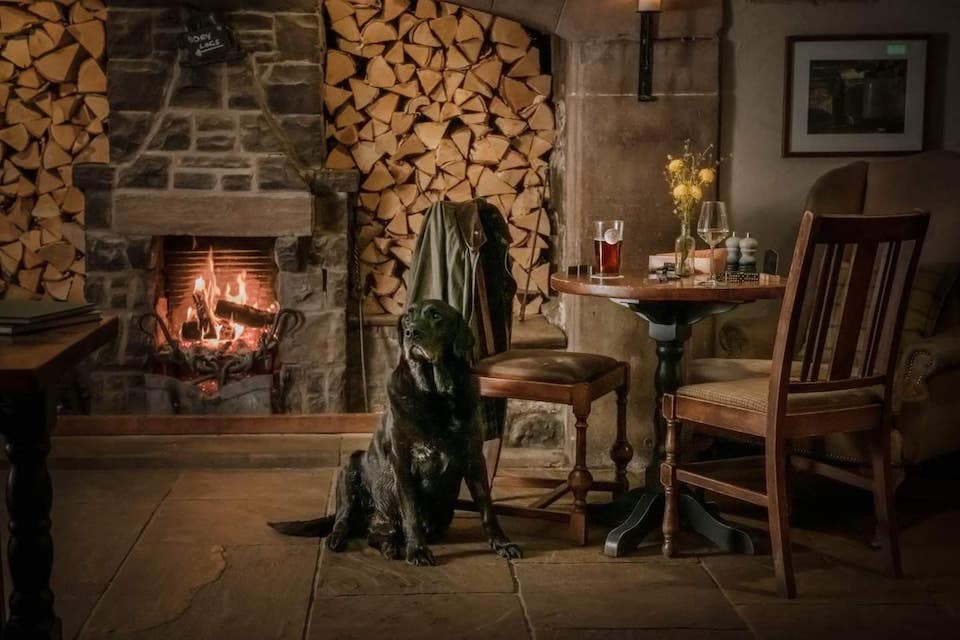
(687, 177)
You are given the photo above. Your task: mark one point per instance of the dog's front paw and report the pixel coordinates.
(420, 556)
(506, 549)
(336, 541)
(390, 550)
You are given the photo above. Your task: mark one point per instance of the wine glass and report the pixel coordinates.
(713, 228)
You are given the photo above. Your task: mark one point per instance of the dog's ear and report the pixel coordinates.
(463, 343)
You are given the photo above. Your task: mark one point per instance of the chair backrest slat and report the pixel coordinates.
(851, 320)
(861, 268)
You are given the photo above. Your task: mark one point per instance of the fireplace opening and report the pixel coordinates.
(218, 325)
(219, 292)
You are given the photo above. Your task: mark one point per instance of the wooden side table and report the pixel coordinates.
(671, 308)
(29, 366)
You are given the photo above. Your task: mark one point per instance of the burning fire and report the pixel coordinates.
(206, 293)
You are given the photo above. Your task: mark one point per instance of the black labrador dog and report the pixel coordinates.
(402, 491)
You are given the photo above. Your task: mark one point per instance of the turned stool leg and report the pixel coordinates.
(580, 479)
(621, 453)
(668, 476)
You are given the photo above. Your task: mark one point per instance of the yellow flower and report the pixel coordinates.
(680, 191)
(695, 192)
(675, 166)
(707, 176)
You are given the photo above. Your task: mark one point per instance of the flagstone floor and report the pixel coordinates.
(186, 554)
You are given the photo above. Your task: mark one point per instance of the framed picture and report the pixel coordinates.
(854, 95)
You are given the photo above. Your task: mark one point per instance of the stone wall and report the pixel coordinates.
(224, 149)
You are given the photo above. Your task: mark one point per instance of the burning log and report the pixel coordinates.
(204, 320)
(243, 314)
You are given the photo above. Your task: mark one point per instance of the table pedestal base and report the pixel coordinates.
(647, 516)
(670, 326)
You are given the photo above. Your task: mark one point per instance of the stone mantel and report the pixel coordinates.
(159, 213)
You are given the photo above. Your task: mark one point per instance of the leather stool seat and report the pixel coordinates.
(545, 365)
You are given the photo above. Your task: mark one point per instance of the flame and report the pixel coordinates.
(206, 286)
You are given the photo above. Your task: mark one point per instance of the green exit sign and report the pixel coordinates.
(896, 49)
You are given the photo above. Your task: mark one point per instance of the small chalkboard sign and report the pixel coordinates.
(206, 39)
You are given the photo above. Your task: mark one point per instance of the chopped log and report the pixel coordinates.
(29, 279)
(424, 36)
(528, 66)
(468, 29)
(338, 158)
(419, 53)
(90, 35)
(58, 254)
(97, 152)
(509, 33)
(29, 158)
(445, 29)
(91, 78)
(334, 97)
(403, 254)
(431, 133)
(379, 178)
(347, 28)
(17, 51)
(509, 54)
(244, 314)
(15, 136)
(340, 66)
(384, 108)
(377, 31)
(491, 185)
(426, 9)
(14, 20)
(393, 8)
(380, 73)
(338, 9)
(59, 65)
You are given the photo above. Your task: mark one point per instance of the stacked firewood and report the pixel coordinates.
(52, 112)
(431, 102)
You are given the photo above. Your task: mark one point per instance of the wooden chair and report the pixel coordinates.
(543, 375)
(858, 271)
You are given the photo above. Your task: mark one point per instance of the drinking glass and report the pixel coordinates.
(607, 242)
(713, 228)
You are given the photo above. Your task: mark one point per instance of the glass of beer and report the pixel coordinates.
(607, 242)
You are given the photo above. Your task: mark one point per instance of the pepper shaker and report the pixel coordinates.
(733, 251)
(748, 254)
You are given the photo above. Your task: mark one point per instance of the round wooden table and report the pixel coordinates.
(671, 308)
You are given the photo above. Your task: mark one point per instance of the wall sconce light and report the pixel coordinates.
(646, 8)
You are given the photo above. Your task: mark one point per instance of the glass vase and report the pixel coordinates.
(683, 249)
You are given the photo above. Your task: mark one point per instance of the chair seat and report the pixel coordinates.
(751, 394)
(545, 365)
(725, 369)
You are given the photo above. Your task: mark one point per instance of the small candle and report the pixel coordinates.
(648, 5)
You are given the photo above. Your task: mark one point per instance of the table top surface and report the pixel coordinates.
(30, 362)
(640, 286)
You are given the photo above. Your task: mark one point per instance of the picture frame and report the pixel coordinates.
(855, 95)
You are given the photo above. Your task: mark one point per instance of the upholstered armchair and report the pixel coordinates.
(927, 394)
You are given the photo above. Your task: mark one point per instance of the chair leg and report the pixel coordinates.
(888, 535)
(668, 477)
(778, 514)
(580, 480)
(621, 453)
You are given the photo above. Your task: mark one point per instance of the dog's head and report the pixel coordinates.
(435, 341)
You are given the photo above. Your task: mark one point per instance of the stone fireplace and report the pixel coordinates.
(215, 194)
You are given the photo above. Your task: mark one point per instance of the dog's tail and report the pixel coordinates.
(305, 528)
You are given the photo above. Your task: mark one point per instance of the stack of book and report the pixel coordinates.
(27, 316)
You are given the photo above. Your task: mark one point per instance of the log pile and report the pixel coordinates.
(53, 108)
(430, 102)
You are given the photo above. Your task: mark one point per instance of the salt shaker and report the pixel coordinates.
(733, 251)
(748, 254)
